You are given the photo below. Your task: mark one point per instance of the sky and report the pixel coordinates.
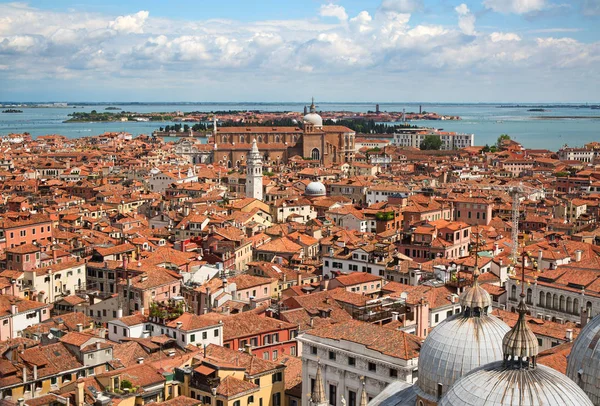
(283, 50)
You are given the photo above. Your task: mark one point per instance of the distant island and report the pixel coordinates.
(12, 111)
(112, 108)
(538, 109)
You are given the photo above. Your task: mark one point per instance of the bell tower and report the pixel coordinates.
(254, 186)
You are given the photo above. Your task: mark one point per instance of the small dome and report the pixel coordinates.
(456, 346)
(498, 385)
(314, 119)
(475, 297)
(315, 189)
(584, 361)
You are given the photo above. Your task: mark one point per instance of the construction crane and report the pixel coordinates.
(516, 192)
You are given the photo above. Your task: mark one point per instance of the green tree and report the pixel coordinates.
(431, 142)
(485, 149)
(501, 138)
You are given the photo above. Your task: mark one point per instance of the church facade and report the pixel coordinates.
(311, 140)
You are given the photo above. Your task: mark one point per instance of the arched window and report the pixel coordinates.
(529, 296)
(315, 154)
(259, 138)
(278, 139)
(588, 306)
(562, 303)
(513, 292)
(555, 301)
(294, 138)
(229, 164)
(576, 306)
(542, 301)
(569, 305)
(242, 139)
(548, 300)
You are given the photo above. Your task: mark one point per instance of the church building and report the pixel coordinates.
(326, 144)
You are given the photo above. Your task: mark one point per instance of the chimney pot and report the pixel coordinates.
(79, 327)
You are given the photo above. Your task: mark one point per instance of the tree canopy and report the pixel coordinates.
(501, 138)
(431, 142)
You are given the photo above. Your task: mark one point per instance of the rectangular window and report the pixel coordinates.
(332, 394)
(277, 377)
(393, 373)
(193, 338)
(372, 367)
(274, 355)
(277, 399)
(216, 333)
(351, 398)
(313, 350)
(332, 355)
(352, 361)
(204, 335)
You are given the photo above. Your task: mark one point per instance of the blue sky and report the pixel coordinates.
(274, 50)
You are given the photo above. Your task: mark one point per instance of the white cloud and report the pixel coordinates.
(333, 10)
(466, 20)
(515, 6)
(130, 24)
(501, 36)
(402, 6)
(258, 55)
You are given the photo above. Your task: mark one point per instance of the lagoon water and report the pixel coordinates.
(486, 121)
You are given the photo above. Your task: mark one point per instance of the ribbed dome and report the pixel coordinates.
(520, 341)
(315, 189)
(584, 362)
(456, 346)
(496, 385)
(475, 296)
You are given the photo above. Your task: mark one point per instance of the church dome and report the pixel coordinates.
(460, 343)
(584, 361)
(315, 189)
(456, 346)
(313, 118)
(498, 385)
(517, 379)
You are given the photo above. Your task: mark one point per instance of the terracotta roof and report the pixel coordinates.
(394, 343)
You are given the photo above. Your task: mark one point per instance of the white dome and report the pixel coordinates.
(456, 346)
(315, 189)
(584, 361)
(498, 385)
(314, 119)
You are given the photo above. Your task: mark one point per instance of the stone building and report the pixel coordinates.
(311, 139)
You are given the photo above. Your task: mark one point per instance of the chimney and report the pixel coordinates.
(299, 279)
(179, 324)
(98, 345)
(140, 360)
(569, 335)
(120, 312)
(53, 255)
(79, 327)
(142, 310)
(578, 255)
(20, 402)
(540, 258)
(79, 393)
(395, 316)
(311, 322)
(584, 317)
(14, 309)
(24, 374)
(35, 374)
(248, 349)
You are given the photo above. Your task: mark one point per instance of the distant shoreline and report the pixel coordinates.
(566, 117)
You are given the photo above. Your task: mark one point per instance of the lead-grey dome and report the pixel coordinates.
(498, 385)
(456, 346)
(315, 189)
(584, 361)
(460, 343)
